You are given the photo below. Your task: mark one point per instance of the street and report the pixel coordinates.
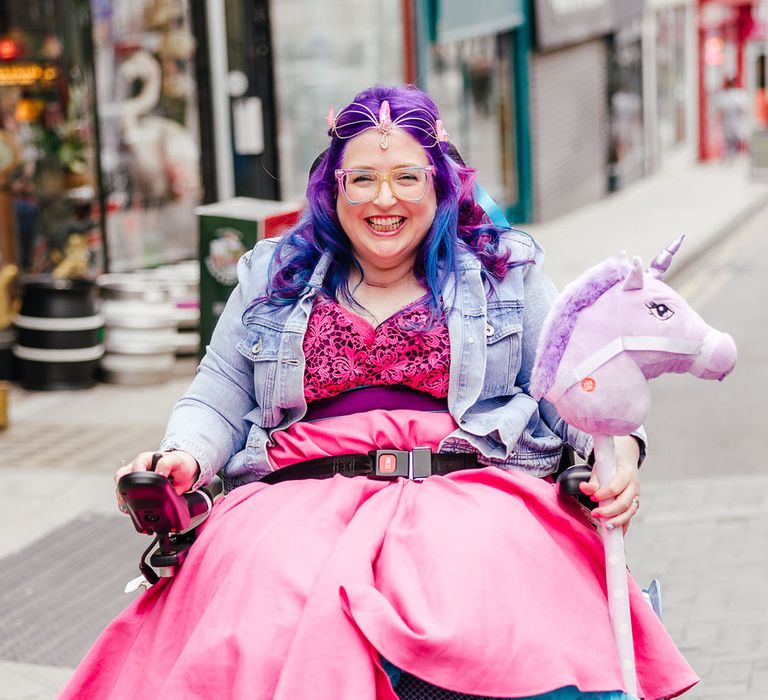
(703, 524)
(147, 145)
(703, 428)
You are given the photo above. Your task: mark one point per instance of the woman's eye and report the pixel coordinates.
(362, 178)
(408, 178)
(660, 310)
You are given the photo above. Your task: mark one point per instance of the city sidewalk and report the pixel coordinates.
(704, 202)
(61, 448)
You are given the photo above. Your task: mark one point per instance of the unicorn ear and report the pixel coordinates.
(634, 279)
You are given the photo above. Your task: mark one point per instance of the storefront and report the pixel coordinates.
(472, 60)
(49, 212)
(725, 30)
(99, 108)
(569, 106)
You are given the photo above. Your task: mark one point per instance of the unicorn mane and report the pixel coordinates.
(560, 321)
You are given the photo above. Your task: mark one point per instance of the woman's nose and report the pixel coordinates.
(385, 197)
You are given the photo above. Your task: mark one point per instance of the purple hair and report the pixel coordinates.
(458, 221)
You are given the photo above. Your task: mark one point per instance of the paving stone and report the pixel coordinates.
(21, 681)
(102, 449)
(712, 691)
(733, 672)
(58, 594)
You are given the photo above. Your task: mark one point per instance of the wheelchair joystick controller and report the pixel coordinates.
(156, 509)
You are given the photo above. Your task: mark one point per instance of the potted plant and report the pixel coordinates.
(64, 163)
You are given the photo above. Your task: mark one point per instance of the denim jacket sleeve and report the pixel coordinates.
(211, 420)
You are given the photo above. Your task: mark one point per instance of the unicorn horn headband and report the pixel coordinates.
(418, 118)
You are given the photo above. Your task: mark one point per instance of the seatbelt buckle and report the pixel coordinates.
(419, 463)
(415, 464)
(390, 464)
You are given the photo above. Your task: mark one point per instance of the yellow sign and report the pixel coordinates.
(26, 74)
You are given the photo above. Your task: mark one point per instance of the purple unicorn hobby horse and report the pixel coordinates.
(607, 333)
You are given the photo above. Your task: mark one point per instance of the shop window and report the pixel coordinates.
(148, 114)
(324, 54)
(49, 199)
(671, 71)
(625, 94)
(471, 82)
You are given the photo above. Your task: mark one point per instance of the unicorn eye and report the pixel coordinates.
(660, 311)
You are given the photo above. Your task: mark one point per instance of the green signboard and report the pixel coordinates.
(227, 230)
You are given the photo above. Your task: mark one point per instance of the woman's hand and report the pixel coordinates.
(624, 486)
(180, 467)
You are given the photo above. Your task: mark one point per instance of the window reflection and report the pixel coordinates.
(471, 82)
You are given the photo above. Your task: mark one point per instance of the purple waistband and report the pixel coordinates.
(370, 398)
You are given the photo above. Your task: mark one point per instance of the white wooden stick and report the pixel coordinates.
(616, 569)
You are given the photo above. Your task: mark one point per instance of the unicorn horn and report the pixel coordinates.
(662, 261)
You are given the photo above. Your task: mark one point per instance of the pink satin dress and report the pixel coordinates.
(482, 582)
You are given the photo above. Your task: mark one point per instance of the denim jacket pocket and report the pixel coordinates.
(261, 346)
(503, 331)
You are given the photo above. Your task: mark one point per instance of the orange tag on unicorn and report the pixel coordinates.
(588, 384)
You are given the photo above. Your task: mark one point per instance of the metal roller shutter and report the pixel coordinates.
(570, 128)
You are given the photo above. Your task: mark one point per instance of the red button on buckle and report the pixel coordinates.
(387, 464)
(390, 464)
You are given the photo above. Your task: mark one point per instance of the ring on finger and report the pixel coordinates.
(636, 502)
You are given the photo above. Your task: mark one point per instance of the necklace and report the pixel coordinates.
(406, 278)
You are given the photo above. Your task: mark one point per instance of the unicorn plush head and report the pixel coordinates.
(610, 331)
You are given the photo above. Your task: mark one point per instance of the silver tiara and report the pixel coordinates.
(417, 118)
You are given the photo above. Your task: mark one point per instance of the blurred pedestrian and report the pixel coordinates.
(733, 109)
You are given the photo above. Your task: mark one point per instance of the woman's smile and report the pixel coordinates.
(386, 224)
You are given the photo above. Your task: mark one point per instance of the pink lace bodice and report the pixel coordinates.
(344, 351)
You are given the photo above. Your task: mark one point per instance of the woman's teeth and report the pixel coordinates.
(385, 224)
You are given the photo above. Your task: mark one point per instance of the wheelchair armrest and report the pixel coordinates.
(569, 480)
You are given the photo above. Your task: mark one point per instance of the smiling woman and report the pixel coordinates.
(365, 399)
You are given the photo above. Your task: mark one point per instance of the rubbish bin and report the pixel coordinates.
(227, 230)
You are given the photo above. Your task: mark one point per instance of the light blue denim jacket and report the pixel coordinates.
(250, 382)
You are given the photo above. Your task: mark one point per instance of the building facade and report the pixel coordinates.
(120, 117)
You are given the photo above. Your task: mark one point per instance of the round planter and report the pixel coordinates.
(59, 334)
(140, 330)
(7, 363)
(182, 281)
